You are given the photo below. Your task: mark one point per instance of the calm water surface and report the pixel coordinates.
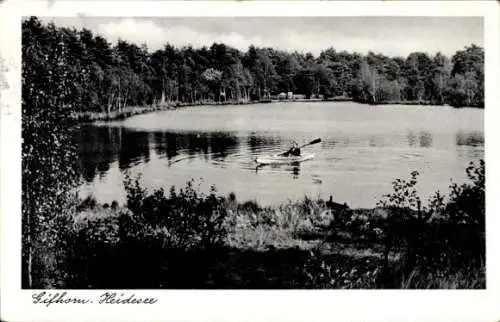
(364, 148)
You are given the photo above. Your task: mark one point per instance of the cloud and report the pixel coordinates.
(155, 36)
(135, 31)
(394, 36)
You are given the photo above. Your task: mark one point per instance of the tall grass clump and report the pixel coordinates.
(280, 226)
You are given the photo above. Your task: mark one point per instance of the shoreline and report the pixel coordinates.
(129, 111)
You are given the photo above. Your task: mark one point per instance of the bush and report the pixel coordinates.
(189, 219)
(461, 225)
(445, 236)
(150, 243)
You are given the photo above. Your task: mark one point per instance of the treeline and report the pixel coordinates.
(106, 78)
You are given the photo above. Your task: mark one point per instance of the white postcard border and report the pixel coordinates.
(221, 305)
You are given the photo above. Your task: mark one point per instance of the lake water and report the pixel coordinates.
(363, 149)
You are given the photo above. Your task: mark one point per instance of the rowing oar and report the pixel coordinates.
(302, 146)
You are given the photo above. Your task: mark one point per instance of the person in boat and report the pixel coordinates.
(294, 150)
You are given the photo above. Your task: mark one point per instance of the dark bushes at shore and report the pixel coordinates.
(444, 239)
(446, 234)
(189, 219)
(187, 239)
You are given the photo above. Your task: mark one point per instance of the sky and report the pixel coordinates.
(392, 36)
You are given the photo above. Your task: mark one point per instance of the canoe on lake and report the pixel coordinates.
(277, 159)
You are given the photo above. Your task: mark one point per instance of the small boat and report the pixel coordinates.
(277, 159)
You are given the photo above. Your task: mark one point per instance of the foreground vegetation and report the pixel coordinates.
(108, 79)
(187, 239)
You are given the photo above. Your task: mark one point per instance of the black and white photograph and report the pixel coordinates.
(253, 153)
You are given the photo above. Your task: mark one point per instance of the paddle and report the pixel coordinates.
(300, 147)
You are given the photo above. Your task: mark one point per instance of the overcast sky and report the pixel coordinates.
(393, 36)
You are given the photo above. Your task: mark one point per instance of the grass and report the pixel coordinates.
(473, 279)
(128, 111)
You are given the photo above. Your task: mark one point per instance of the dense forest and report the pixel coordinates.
(107, 78)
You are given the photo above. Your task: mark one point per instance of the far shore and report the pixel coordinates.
(129, 111)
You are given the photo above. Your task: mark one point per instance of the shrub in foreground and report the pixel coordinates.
(441, 245)
(445, 237)
(148, 243)
(188, 218)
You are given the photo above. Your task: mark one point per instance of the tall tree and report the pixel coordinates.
(48, 152)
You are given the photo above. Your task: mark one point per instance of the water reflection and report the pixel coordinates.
(293, 169)
(373, 142)
(257, 143)
(198, 144)
(412, 139)
(423, 139)
(101, 146)
(221, 144)
(172, 145)
(329, 142)
(473, 138)
(98, 147)
(134, 148)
